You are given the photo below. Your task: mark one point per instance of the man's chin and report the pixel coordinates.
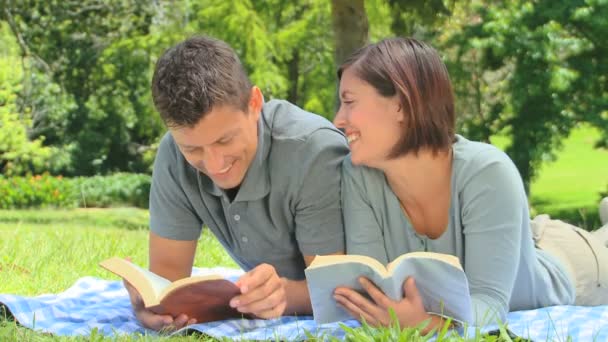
(226, 183)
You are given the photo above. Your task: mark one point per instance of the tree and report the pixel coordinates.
(68, 41)
(349, 22)
(547, 72)
(18, 154)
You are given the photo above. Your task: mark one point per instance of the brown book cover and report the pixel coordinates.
(205, 298)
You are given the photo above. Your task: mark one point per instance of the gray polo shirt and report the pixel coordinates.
(288, 204)
(488, 230)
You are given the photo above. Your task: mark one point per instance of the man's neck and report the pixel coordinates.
(231, 193)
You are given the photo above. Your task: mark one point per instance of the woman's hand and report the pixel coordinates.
(409, 310)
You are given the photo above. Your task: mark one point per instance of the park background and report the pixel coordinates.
(78, 130)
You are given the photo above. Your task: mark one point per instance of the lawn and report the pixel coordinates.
(46, 251)
(569, 187)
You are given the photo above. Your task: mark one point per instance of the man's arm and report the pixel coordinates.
(171, 259)
(298, 297)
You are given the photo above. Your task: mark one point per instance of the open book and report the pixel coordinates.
(440, 279)
(205, 298)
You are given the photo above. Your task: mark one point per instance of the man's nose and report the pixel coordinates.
(213, 160)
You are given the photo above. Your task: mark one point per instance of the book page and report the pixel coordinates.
(325, 260)
(447, 258)
(157, 282)
(444, 287)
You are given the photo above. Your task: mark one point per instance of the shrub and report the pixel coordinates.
(36, 191)
(121, 189)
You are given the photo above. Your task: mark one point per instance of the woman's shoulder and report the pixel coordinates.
(478, 162)
(471, 155)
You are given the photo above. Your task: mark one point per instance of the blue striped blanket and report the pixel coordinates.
(103, 305)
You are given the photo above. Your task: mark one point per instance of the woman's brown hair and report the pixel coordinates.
(415, 72)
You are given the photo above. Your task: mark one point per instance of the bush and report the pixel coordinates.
(36, 191)
(121, 189)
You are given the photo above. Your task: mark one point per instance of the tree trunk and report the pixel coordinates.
(293, 74)
(349, 21)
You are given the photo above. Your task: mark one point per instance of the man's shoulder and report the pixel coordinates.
(367, 179)
(288, 122)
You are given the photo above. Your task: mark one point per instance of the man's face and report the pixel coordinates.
(222, 144)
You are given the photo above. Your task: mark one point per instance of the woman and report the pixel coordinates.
(412, 184)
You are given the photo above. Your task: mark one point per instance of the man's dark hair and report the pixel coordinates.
(194, 77)
(412, 70)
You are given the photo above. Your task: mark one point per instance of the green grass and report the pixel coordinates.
(46, 251)
(569, 187)
(50, 249)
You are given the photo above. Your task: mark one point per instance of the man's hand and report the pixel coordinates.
(151, 320)
(263, 293)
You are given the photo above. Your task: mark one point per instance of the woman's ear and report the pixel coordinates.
(399, 112)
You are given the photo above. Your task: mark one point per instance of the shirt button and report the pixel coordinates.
(244, 239)
(237, 217)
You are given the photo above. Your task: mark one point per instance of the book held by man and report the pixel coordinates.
(440, 279)
(205, 298)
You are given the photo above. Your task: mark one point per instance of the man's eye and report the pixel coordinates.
(224, 141)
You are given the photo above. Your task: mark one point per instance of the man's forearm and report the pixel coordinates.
(298, 298)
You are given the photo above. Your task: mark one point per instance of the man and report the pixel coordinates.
(264, 177)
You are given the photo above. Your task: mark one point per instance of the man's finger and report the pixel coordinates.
(261, 292)
(153, 321)
(254, 278)
(274, 312)
(262, 303)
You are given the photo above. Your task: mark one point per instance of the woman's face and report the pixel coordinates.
(372, 123)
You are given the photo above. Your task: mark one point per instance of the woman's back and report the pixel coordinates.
(488, 230)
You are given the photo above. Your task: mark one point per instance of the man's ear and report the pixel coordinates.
(256, 100)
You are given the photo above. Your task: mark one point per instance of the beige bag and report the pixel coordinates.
(583, 254)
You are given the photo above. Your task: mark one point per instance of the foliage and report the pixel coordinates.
(527, 70)
(35, 191)
(81, 46)
(525, 61)
(121, 189)
(287, 50)
(18, 154)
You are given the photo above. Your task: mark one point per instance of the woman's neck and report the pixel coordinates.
(418, 179)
